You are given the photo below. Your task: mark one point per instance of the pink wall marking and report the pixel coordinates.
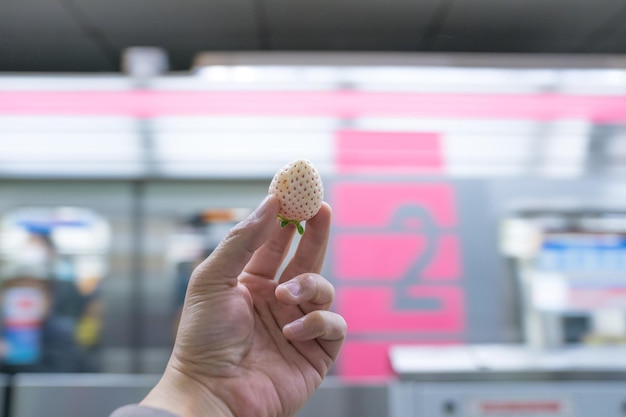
(306, 103)
(402, 152)
(373, 204)
(375, 256)
(366, 256)
(370, 310)
(365, 360)
(446, 265)
(366, 250)
(369, 360)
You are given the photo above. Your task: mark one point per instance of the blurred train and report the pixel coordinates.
(473, 205)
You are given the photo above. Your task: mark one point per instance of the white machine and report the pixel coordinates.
(571, 271)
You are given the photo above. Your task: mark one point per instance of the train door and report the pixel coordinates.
(184, 221)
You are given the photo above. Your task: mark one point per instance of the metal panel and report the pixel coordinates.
(520, 25)
(183, 28)
(89, 35)
(336, 399)
(4, 382)
(36, 35)
(555, 399)
(609, 36)
(348, 25)
(61, 395)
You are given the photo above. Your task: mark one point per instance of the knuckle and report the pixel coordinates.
(317, 320)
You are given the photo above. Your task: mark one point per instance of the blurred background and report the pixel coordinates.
(473, 152)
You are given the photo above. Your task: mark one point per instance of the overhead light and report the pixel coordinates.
(616, 77)
(243, 74)
(215, 73)
(224, 73)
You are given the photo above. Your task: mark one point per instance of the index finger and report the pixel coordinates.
(268, 259)
(311, 251)
(233, 253)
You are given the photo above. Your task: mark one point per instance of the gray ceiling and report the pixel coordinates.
(89, 35)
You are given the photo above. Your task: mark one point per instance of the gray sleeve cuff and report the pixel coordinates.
(140, 411)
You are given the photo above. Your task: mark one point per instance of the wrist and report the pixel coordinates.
(185, 396)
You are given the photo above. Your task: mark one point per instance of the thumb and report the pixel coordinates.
(233, 253)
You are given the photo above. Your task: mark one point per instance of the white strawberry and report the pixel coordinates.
(299, 189)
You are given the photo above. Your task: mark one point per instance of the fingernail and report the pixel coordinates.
(261, 208)
(293, 288)
(296, 328)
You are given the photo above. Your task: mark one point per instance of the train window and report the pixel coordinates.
(52, 264)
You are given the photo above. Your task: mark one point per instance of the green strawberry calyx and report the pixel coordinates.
(284, 222)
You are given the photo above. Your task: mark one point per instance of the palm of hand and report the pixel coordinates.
(265, 366)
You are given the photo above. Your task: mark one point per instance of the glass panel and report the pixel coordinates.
(185, 221)
(52, 263)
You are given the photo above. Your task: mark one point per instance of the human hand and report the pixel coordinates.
(247, 344)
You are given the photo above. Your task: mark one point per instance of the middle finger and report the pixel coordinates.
(311, 251)
(309, 291)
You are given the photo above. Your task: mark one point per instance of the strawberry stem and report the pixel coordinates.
(284, 222)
